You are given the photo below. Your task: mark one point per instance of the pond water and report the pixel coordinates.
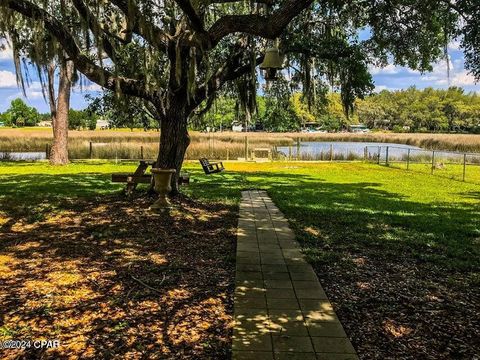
(317, 149)
(19, 156)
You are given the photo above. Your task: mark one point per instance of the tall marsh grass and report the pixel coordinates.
(122, 144)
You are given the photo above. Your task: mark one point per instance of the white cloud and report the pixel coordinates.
(36, 85)
(458, 75)
(389, 69)
(454, 45)
(443, 82)
(34, 94)
(439, 74)
(463, 79)
(7, 80)
(380, 88)
(6, 54)
(429, 78)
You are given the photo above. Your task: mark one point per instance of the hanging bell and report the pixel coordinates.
(271, 63)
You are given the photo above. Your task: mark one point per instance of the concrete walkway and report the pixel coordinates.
(281, 310)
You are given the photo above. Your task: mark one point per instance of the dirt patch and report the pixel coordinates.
(110, 280)
(399, 308)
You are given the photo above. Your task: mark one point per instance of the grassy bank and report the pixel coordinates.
(227, 145)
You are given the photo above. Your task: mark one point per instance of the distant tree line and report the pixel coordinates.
(410, 110)
(19, 114)
(280, 109)
(428, 110)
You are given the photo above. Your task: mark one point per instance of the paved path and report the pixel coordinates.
(281, 310)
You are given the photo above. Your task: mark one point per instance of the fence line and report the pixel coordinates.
(463, 166)
(451, 164)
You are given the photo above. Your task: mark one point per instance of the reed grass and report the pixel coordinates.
(123, 144)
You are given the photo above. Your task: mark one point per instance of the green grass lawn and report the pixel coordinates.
(450, 171)
(397, 251)
(388, 209)
(436, 218)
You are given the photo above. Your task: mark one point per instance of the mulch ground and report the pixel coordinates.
(110, 280)
(400, 308)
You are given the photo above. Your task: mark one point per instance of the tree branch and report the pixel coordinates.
(144, 28)
(92, 71)
(187, 8)
(267, 27)
(231, 70)
(324, 55)
(456, 8)
(267, 2)
(95, 27)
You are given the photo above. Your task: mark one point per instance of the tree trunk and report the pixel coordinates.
(174, 141)
(59, 152)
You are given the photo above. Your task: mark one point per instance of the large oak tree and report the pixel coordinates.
(176, 55)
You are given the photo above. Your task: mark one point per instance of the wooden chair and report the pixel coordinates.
(211, 168)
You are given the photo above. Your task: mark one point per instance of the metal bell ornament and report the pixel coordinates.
(272, 62)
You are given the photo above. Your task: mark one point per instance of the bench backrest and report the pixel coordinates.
(205, 163)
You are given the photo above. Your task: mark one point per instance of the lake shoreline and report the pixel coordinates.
(220, 145)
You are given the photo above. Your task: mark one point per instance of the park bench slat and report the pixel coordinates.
(132, 178)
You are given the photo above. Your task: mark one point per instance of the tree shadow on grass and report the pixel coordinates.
(403, 274)
(113, 281)
(472, 195)
(377, 217)
(109, 279)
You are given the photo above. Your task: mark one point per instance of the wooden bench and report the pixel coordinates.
(211, 168)
(131, 178)
(138, 177)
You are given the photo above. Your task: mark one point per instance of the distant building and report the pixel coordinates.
(46, 123)
(2, 124)
(103, 124)
(237, 127)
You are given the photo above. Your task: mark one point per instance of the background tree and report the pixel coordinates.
(428, 110)
(60, 105)
(279, 114)
(20, 114)
(177, 54)
(223, 114)
(38, 48)
(122, 112)
(82, 119)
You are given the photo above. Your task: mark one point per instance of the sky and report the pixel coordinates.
(390, 77)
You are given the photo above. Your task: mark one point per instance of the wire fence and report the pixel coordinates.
(454, 165)
(449, 164)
